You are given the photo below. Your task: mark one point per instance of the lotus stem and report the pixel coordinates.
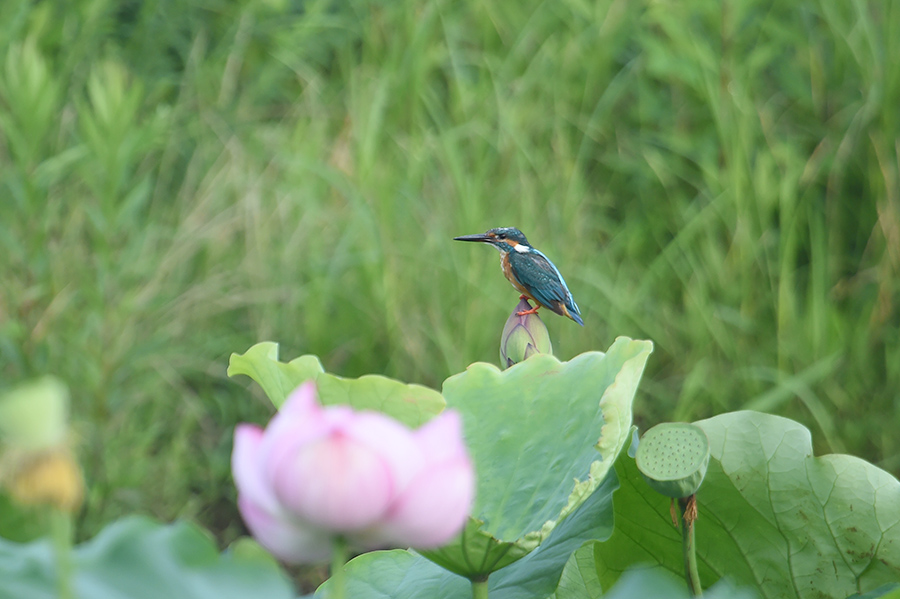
(480, 588)
(688, 515)
(61, 533)
(338, 559)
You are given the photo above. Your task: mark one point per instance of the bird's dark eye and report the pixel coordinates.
(501, 236)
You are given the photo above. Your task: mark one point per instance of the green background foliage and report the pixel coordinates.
(179, 181)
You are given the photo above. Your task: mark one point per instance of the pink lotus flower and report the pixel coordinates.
(316, 473)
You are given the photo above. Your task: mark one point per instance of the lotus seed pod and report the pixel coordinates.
(673, 458)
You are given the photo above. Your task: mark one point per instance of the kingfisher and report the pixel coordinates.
(530, 271)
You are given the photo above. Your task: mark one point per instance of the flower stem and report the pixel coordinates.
(688, 515)
(61, 534)
(338, 559)
(480, 588)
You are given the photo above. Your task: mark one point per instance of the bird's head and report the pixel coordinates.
(505, 239)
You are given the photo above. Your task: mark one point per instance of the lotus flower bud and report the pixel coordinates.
(49, 478)
(523, 336)
(315, 473)
(37, 466)
(33, 415)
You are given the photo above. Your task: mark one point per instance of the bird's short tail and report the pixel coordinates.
(573, 314)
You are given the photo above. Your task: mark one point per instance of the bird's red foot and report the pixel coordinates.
(524, 312)
(524, 297)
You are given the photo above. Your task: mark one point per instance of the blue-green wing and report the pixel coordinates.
(539, 276)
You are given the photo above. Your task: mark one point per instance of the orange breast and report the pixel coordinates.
(507, 272)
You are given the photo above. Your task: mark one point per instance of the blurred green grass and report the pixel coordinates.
(179, 181)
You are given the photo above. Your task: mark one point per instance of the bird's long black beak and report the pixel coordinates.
(478, 237)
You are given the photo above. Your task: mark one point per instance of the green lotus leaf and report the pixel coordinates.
(276, 378)
(407, 575)
(579, 578)
(135, 558)
(398, 574)
(771, 516)
(489, 553)
(411, 404)
(885, 591)
(534, 432)
(579, 581)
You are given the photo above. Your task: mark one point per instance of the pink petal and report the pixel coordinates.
(301, 416)
(301, 420)
(391, 442)
(283, 538)
(247, 468)
(434, 508)
(335, 483)
(441, 437)
(302, 401)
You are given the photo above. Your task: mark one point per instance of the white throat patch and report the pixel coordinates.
(521, 248)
